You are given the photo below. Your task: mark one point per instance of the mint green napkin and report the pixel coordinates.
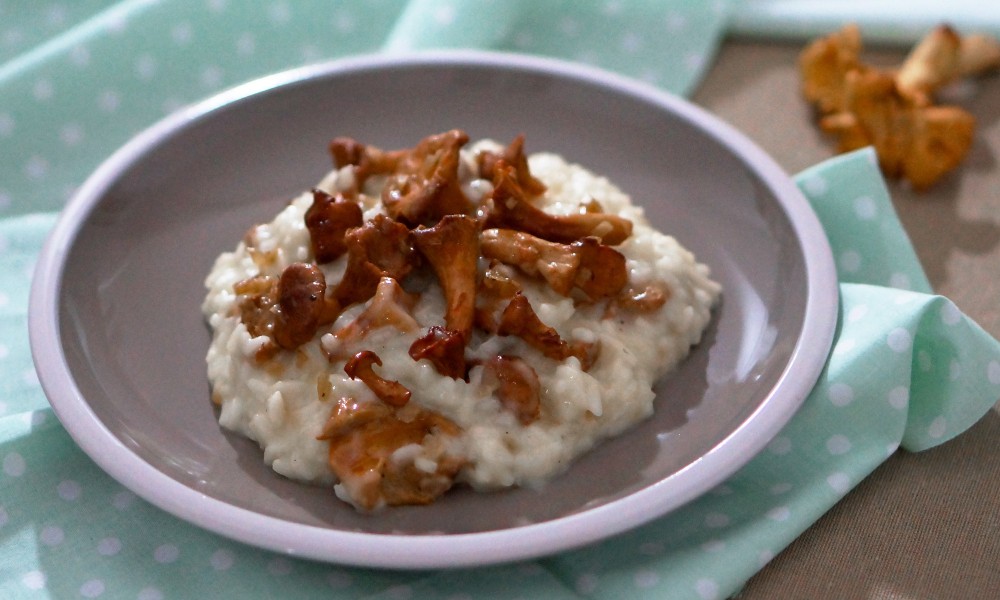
(908, 368)
(881, 21)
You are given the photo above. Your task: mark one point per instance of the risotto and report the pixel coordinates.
(448, 314)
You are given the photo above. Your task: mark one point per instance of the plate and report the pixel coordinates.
(119, 340)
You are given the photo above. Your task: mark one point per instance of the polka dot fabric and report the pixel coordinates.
(77, 79)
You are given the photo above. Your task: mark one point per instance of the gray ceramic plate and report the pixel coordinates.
(119, 340)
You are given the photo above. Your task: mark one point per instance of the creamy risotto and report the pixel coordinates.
(448, 314)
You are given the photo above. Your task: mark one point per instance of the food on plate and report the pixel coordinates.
(447, 314)
(894, 110)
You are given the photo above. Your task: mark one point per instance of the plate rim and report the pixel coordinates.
(406, 551)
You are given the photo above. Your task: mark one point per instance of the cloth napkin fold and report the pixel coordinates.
(907, 369)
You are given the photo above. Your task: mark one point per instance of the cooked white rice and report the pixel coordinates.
(278, 404)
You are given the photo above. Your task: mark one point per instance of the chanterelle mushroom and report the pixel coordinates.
(328, 220)
(424, 187)
(509, 208)
(918, 142)
(379, 248)
(598, 270)
(514, 156)
(360, 367)
(445, 348)
(517, 386)
(452, 249)
(301, 303)
(520, 319)
(893, 110)
(389, 307)
(364, 439)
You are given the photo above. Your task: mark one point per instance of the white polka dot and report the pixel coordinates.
(645, 579)
(145, 67)
(166, 554)
(92, 589)
(924, 361)
(43, 90)
(68, 490)
(706, 589)
(339, 580)
(993, 372)
(80, 56)
(612, 8)
(954, 370)
(841, 394)
(840, 482)
(816, 185)
(4, 200)
(51, 535)
(117, 22)
(780, 445)
(221, 559)
(938, 428)
(676, 22)
(764, 557)
(891, 448)
(631, 43)
(122, 500)
(586, 583)
(844, 345)
(30, 378)
(569, 27)
(444, 15)
(713, 546)
(211, 76)
(694, 61)
(651, 548)
(279, 13)
(865, 208)
(838, 444)
(399, 592)
(716, 520)
(149, 593)
(857, 313)
(900, 281)
(14, 465)
(523, 39)
(899, 340)
(343, 22)
(4, 300)
(55, 15)
(172, 104)
(246, 44)
(721, 490)
(216, 6)
(36, 167)
(310, 53)
(781, 488)
(36, 418)
(71, 134)
(181, 34)
(6, 125)
(850, 261)
(33, 580)
(109, 546)
(950, 315)
(109, 101)
(279, 566)
(899, 397)
(779, 513)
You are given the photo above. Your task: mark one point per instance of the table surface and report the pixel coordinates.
(922, 525)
